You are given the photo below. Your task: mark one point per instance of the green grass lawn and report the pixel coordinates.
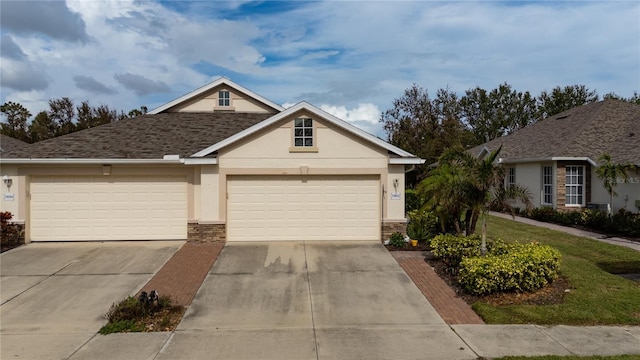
(554, 357)
(597, 296)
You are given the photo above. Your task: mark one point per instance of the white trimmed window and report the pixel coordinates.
(574, 185)
(511, 177)
(547, 185)
(224, 98)
(303, 132)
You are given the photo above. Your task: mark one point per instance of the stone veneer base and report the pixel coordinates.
(206, 232)
(389, 227)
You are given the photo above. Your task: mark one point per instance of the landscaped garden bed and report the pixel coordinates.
(596, 296)
(143, 315)
(588, 290)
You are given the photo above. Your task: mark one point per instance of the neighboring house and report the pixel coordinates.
(556, 158)
(221, 163)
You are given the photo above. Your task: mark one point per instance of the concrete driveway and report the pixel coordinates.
(54, 294)
(311, 300)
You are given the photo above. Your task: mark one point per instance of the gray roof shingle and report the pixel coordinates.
(144, 137)
(8, 144)
(608, 126)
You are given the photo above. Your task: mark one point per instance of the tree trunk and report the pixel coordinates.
(483, 244)
(468, 221)
(474, 221)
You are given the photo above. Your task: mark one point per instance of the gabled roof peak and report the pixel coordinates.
(222, 80)
(303, 105)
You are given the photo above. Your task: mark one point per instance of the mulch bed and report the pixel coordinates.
(551, 294)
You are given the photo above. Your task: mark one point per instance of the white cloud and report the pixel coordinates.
(363, 112)
(323, 52)
(22, 76)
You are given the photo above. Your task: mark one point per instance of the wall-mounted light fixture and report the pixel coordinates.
(106, 169)
(7, 181)
(395, 184)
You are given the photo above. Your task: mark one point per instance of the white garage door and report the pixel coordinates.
(266, 208)
(77, 208)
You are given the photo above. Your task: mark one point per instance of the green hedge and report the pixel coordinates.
(453, 248)
(523, 267)
(622, 222)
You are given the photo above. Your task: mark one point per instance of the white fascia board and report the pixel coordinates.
(406, 161)
(221, 80)
(547, 159)
(90, 161)
(200, 161)
(314, 110)
(483, 151)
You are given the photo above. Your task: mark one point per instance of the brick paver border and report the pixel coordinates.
(451, 308)
(181, 276)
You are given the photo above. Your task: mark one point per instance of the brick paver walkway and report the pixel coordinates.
(451, 308)
(181, 277)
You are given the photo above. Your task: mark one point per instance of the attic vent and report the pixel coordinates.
(562, 117)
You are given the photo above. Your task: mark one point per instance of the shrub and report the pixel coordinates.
(522, 268)
(397, 240)
(130, 315)
(423, 224)
(544, 213)
(626, 222)
(411, 200)
(453, 248)
(10, 234)
(594, 219)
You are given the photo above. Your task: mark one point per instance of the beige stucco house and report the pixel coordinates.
(556, 158)
(221, 163)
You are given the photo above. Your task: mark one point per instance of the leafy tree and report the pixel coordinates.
(562, 99)
(42, 128)
(62, 112)
(16, 117)
(62, 118)
(88, 117)
(424, 126)
(137, 112)
(610, 172)
(496, 113)
(635, 99)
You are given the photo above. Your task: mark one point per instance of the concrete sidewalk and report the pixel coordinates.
(573, 231)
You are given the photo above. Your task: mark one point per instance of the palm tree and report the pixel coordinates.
(442, 191)
(610, 172)
(465, 183)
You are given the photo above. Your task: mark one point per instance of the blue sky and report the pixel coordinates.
(351, 58)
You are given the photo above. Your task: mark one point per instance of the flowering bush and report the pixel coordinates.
(524, 267)
(10, 233)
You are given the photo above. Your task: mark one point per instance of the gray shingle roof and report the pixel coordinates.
(609, 126)
(144, 137)
(8, 144)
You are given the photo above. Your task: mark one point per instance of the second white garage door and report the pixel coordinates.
(80, 208)
(268, 208)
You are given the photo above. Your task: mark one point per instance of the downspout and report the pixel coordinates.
(382, 214)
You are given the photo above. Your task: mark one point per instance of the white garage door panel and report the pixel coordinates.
(263, 208)
(77, 208)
